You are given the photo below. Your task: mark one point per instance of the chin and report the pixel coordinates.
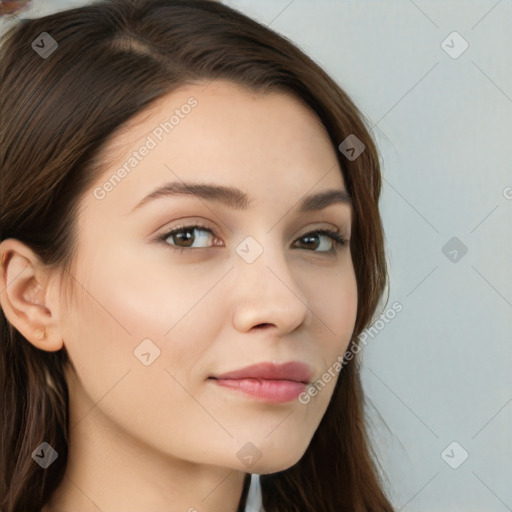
(278, 462)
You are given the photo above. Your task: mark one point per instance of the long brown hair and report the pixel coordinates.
(114, 58)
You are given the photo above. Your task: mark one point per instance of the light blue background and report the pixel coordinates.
(440, 371)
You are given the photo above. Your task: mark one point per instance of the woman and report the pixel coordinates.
(190, 246)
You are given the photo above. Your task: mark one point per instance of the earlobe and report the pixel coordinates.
(23, 282)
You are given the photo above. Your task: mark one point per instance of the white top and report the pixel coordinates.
(254, 497)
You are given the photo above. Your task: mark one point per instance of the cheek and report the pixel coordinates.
(127, 300)
(335, 308)
(334, 304)
(114, 313)
(159, 290)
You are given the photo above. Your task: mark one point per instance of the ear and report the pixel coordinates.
(24, 296)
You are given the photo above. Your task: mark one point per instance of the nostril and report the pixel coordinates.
(262, 325)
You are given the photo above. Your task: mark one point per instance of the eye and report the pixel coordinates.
(185, 235)
(334, 237)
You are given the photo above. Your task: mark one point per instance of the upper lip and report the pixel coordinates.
(291, 370)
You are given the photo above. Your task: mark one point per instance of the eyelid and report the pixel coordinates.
(334, 233)
(198, 224)
(166, 233)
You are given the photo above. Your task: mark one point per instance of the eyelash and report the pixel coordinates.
(333, 235)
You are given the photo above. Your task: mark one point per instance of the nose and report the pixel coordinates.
(265, 294)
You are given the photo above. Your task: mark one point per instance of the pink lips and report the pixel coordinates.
(268, 381)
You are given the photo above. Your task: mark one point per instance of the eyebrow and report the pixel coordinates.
(237, 199)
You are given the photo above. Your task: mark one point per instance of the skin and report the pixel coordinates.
(162, 437)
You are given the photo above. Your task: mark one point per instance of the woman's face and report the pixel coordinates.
(152, 324)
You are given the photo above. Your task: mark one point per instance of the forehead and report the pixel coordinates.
(220, 132)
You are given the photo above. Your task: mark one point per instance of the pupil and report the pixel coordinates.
(187, 234)
(309, 238)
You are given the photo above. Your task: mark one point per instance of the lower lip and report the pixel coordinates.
(267, 390)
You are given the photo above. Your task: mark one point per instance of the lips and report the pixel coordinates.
(294, 371)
